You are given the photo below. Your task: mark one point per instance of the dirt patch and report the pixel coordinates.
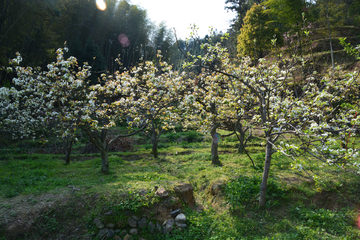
(18, 214)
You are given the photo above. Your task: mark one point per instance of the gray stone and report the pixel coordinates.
(161, 193)
(117, 231)
(135, 217)
(151, 227)
(123, 233)
(141, 238)
(109, 213)
(142, 223)
(164, 223)
(110, 225)
(110, 233)
(127, 237)
(134, 231)
(102, 233)
(175, 213)
(181, 218)
(98, 223)
(116, 237)
(169, 226)
(158, 227)
(181, 225)
(132, 223)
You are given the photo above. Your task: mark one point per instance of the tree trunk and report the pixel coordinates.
(331, 49)
(104, 161)
(241, 142)
(263, 185)
(154, 149)
(214, 147)
(68, 149)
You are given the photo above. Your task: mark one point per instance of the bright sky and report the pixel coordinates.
(181, 14)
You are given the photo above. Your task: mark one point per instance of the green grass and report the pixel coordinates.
(297, 207)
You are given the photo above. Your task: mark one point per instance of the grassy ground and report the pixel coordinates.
(42, 197)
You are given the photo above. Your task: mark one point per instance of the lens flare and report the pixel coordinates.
(101, 5)
(124, 40)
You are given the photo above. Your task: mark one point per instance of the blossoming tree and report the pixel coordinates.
(311, 116)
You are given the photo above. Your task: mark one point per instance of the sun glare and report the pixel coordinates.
(101, 5)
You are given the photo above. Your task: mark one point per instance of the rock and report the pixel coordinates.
(181, 225)
(151, 227)
(102, 233)
(175, 213)
(98, 223)
(185, 192)
(135, 217)
(122, 223)
(161, 193)
(127, 237)
(110, 225)
(180, 218)
(133, 231)
(142, 223)
(116, 237)
(169, 226)
(158, 227)
(109, 213)
(110, 233)
(132, 223)
(141, 238)
(164, 223)
(143, 192)
(216, 187)
(123, 233)
(200, 209)
(117, 231)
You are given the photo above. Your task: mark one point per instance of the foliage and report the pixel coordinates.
(256, 33)
(244, 191)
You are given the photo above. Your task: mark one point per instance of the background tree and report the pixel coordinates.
(256, 33)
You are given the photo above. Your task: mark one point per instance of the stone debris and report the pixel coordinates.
(139, 223)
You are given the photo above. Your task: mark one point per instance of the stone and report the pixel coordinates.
(98, 223)
(102, 233)
(151, 227)
(216, 187)
(133, 231)
(135, 217)
(110, 225)
(175, 213)
(181, 218)
(181, 225)
(142, 223)
(110, 233)
(117, 231)
(200, 209)
(169, 226)
(116, 237)
(122, 223)
(109, 213)
(161, 193)
(127, 237)
(141, 238)
(132, 223)
(123, 233)
(185, 192)
(158, 227)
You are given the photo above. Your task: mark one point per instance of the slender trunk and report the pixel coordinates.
(265, 176)
(154, 149)
(68, 149)
(104, 161)
(214, 147)
(241, 139)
